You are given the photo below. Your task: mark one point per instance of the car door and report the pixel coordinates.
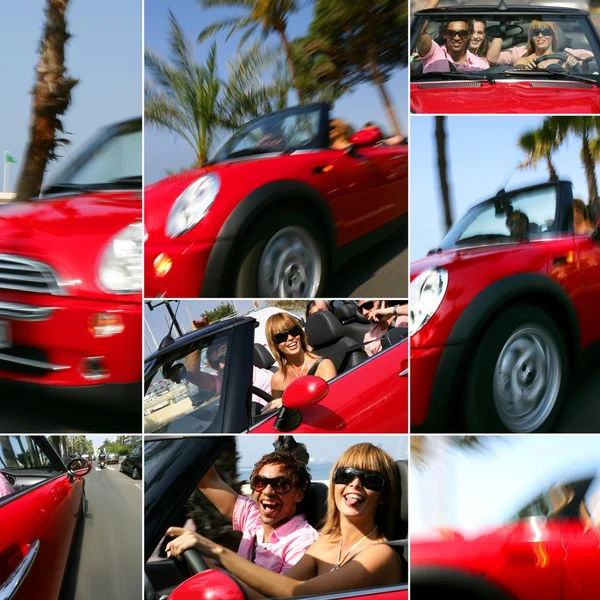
(586, 294)
(38, 522)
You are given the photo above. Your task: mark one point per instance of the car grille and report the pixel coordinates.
(27, 275)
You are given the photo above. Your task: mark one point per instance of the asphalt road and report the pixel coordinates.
(42, 413)
(380, 272)
(107, 559)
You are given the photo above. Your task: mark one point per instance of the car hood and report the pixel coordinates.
(69, 233)
(534, 96)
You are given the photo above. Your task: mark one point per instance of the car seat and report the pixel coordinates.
(263, 359)
(355, 325)
(394, 336)
(325, 334)
(314, 505)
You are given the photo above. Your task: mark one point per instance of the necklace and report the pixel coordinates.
(340, 558)
(302, 369)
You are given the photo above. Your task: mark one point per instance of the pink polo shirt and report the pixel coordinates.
(437, 59)
(287, 544)
(372, 339)
(5, 487)
(512, 55)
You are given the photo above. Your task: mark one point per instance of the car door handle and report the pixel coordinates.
(11, 586)
(403, 373)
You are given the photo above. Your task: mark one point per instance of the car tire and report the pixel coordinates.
(84, 505)
(135, 474)
(523, 352)
(289, 235)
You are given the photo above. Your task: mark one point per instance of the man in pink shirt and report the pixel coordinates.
(5, 487)
(274, 536)
(453, 54)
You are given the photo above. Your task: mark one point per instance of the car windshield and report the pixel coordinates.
(22, 452)
(283, 131)
(111, 160)
(473, 45)
(185, 391)
(521, 216)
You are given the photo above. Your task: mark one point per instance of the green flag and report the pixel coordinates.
(9, 159)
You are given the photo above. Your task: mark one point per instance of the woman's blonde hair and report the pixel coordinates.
(281, 322)
(542, 25)
(342, 127)
(582, 208)
(369, 457)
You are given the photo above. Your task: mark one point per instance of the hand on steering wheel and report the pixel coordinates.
(564, 59)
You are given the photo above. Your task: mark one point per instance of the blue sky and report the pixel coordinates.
(104, 53)
(469, 490)
(482, 155)
(163, 151)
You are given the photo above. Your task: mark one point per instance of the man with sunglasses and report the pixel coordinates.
(383, 317)
(274, 535)
(453, 55)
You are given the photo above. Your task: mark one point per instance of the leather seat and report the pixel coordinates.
(325, 335)
(314, 505)
(355, 325)
(394, 336)
(263, 359)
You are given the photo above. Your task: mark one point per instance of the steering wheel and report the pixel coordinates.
(256, 406)
(585, 63)
(560, 56)
(194, 561)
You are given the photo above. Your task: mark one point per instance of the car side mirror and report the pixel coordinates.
(305, 391)
(207, 586)
(78, 467)
(366, 137)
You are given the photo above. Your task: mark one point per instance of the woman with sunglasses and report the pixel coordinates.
(543, 38)
(289, 347)
(351, 552)
(339, 134)
(384, 318)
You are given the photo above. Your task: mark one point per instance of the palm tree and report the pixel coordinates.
(51, 98)
(440, 139)
(539, 144)
(268, 16)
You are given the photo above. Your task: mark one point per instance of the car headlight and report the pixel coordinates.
(192, 205)
(426, 294)
(120, 269)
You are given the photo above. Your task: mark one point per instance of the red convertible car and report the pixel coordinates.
(369, 394)
(71, 277)
(550, 549)
(274, 211)
(174, 467)
(502, 312)
(551, 86)
(41, 501)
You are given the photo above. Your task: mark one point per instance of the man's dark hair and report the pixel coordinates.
(297, 469)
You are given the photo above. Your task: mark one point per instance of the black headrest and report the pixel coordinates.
(393, 336)
(263, 359)
(315, 504)
(345, 313)
(323, 328)
(402, 466)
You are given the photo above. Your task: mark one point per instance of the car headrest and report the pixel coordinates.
(402, 466)
(394, 336)
(263, 359)
(345, 313)
(323, 328)
(314, 504)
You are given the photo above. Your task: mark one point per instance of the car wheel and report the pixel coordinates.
(519, 374)
(135, 473)
(282, 258)
(84, 505)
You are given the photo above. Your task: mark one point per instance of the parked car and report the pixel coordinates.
(501, 317)
(112, 459)
(174, 467)
(548, 549)
(39, 515)
(369, 394)
(71, 278)
(132, 463)
(274, 211)
(555, 89)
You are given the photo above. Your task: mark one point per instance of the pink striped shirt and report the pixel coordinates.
(437, 61)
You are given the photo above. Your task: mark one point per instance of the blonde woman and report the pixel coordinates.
(350, 552)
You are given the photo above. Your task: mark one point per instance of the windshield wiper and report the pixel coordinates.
(57, 188)
(135, 181)
(557, 74)
(481, 76)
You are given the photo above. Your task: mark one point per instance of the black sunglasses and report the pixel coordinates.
(218, 357)
(280, 337)
(372, 480)
(462, 33)
(545, 32)
(282, 485)
(367, 305)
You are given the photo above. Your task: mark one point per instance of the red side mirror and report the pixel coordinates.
(366, 137)
(208, 585)
(304, 392)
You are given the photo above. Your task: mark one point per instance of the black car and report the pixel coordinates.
(132, 463)
(174, 467)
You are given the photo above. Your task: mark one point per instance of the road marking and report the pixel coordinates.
(98, 469)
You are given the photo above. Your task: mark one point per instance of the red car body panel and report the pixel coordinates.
(505, 97)
(49, 514)
(371, 398)
(69, 234)
(363, 193)
(555, 559)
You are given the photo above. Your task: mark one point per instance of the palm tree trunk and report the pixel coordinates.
(551, 169)
(590, 170)
(440, 138)
(51, 98)
(290, 63)
(387, 103)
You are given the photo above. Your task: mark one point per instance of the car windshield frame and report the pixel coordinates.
(62, 180)
(505, 71)
(319, 142)
(564, 220)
